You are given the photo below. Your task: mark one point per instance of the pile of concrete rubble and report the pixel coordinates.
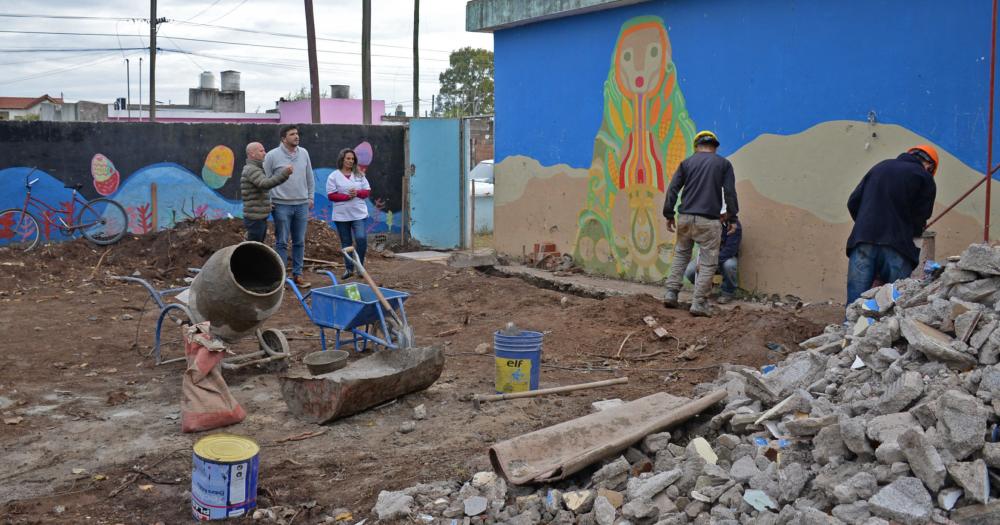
(891, 418)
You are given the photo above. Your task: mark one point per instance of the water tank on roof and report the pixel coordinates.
(230, 80)
(207, 80)
(340, 91)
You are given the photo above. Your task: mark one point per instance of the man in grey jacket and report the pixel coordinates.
(708, 182)
(293, 199)
(254, 186)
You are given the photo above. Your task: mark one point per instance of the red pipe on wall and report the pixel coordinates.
(989, 134)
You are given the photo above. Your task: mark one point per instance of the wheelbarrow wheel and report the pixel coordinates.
(274, 343)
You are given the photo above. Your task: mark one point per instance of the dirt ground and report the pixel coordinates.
(91, 431)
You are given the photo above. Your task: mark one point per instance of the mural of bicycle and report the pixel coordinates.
(101, 221)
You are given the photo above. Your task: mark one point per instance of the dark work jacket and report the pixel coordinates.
(891, 205)
(730, 243)
(703, 177)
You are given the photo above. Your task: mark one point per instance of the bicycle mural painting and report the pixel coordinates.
(101, 221)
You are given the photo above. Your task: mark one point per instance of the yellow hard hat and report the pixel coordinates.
(706, 137)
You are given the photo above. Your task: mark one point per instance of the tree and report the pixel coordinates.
(467, 84)
(304, 94)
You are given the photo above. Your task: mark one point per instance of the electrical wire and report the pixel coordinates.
(226, 42)
(61, 70)
(227, 12)
(202, 11)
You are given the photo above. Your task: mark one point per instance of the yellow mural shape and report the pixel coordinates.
(645, 134)
(218, 166)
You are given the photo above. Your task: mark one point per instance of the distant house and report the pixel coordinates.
(25, 108)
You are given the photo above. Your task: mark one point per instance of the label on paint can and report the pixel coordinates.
(224, 477)
(513, 375)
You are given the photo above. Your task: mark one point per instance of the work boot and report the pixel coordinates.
(300, 282)
(725, 298)
(700, 309)
(347, 275)
(670, 299)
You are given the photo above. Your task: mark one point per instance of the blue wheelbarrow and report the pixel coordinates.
(377, 308)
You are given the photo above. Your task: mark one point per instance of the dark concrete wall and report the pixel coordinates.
(64, 149)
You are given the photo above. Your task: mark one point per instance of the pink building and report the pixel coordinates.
(331, 111)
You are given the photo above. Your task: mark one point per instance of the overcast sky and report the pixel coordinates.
(267, 73)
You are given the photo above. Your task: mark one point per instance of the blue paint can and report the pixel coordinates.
(518, 361)
(224, 477)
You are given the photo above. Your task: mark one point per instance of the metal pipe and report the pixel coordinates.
(989, 134)
(962, 198)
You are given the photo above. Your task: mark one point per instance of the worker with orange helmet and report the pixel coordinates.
(890, 208)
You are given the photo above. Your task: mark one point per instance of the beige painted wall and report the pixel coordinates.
(793, 196)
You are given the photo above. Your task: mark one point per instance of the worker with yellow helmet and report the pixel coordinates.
(709, 185)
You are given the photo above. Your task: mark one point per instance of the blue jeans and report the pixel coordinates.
(293, 217)
(868, 261)
(256, 229)
(728, 269)
(353, 231)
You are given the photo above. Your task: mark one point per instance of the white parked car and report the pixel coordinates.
(483, 175)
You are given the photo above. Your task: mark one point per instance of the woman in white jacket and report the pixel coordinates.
(347, 187)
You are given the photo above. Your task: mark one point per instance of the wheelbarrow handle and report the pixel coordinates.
(353, 256)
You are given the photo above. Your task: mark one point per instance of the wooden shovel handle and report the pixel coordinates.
(554, 390)
(371, 283)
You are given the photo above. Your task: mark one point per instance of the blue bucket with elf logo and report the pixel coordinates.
(518, 361)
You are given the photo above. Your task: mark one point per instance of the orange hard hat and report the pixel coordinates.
(926, 152)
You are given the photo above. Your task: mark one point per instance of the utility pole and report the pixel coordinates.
(416, 60)
(313, 65)
(128, 90)
(152, 60)
(140, 89)
(366, 61)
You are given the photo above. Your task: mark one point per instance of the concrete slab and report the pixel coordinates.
(426, 256)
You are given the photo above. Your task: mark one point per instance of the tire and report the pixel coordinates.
(102, 228)
(19, 230)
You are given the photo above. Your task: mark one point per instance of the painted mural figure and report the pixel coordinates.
(347, 187)
(645, 133)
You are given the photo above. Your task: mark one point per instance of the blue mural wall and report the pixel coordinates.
(772, 66)
(166, 173)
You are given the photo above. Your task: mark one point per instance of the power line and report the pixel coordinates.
(291, 35)
(73, 33)
(61, 70)
(227, 12)
(65, 49)
(202, 11)
(212, 26)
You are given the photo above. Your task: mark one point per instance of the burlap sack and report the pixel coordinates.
(206, 402)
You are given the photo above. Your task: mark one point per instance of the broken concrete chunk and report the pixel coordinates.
(640, 509)
(856, 512)
(579, 501)
(743, 469)
(901, 393)
(887, 428)
(701, 447)
(799, 371)
(613, 475)
(475, 505)
(961, 423)
(924, 460)
(991, 454)
(393, 505)
(828, 444)
(884, 299)
(654, 443)
(935, 345)
(976, 291)
(982, 333)
(604, 511)
(980, 258)
(988, 514)
(860, 486)
(809, 426)
(606, 404)
(973, 478)
(948, 497)
(648, 488)
(905, 500)
(853, 432)
(759, 500)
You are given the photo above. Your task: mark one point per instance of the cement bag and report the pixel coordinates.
(206, 402)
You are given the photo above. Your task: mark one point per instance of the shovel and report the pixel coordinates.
(402, 330)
